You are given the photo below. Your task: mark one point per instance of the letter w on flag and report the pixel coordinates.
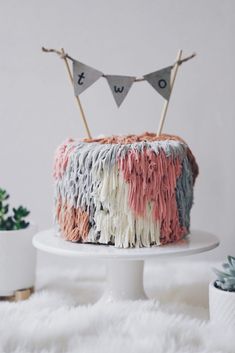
(120, 86)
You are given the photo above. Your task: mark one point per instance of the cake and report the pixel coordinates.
(126, 191)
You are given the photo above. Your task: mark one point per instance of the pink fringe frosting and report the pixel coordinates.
(152, 178)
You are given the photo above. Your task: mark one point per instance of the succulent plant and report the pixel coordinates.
(14, 221)
(226, 279)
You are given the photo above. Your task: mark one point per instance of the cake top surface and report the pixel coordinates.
(130, 139)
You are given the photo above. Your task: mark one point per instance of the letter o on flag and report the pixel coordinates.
(162, 83)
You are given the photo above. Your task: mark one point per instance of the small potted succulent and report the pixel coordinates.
(17, 255)
(222, 295)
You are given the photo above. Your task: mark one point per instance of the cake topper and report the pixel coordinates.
(84, 76)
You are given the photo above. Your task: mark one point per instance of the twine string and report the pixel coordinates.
(139, 79)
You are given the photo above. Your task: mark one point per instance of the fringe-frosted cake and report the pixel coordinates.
(127, 191)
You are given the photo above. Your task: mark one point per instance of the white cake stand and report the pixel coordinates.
(124, 266)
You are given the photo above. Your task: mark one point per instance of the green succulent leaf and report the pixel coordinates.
(3, 195)
(232, 272)
(5, 209)
(225, 265)
(231, 261)
(220, 273)
(15, 221)
(226, 279)
(9, 223)
(230, 281)
(20, 212)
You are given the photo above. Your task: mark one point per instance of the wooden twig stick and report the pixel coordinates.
(77, 98)
(166, 103)
(58, 52)
(187, 58)
(64, 57)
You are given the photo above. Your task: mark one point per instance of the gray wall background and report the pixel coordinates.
(37, 108)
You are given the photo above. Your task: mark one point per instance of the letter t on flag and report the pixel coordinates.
(161, 81)
(120, 86)
(83, 77)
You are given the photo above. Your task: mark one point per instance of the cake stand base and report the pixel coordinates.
(124, 281)
(124, 266)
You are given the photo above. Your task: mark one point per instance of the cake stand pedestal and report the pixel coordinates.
(124, 266)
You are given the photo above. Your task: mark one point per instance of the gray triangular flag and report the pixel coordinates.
(161, 81)
(120, 86)
(83, 77)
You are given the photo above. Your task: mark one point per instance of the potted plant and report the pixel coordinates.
(17, 255)
(222, 295)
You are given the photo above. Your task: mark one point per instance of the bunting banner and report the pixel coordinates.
(161, 81)
(120, 86)
(84, 76)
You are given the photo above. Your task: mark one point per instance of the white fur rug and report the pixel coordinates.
(61, 317)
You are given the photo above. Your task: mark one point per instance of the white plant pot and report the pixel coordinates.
(17, 260)
(222, 306)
